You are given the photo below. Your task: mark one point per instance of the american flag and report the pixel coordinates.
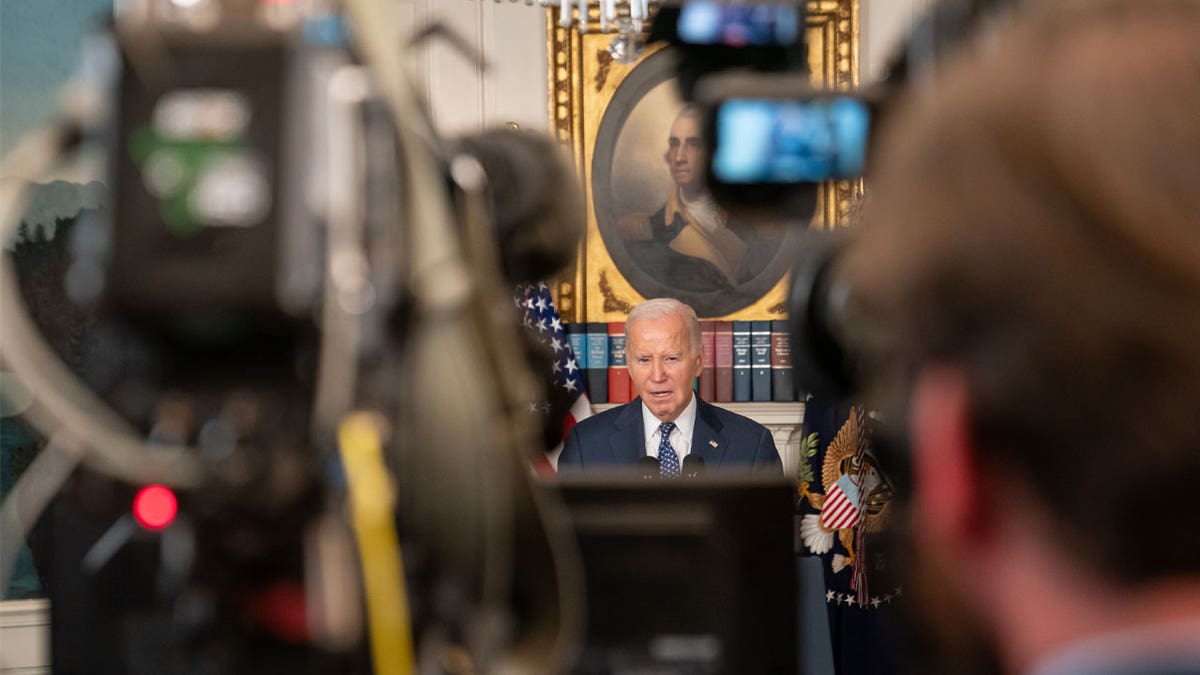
(544, 324)
(841, 504)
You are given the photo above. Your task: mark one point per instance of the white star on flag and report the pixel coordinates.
(538, 312)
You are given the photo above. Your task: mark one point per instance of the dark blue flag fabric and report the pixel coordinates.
(566, 401)
(843, 504)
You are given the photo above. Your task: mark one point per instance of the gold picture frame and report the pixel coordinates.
(583, 82)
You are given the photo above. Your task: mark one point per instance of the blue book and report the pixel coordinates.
(760, 361)
(741, 360)
(597, 362)
(577, 338)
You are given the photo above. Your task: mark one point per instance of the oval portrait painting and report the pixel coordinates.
(660, 225)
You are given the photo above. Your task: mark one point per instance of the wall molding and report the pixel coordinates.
(25, 637)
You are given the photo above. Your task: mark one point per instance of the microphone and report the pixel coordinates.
(649, 467)
(693, 466)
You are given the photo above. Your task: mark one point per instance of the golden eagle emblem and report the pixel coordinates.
(856, 493)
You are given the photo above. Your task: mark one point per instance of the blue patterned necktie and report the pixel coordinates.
(668, 460)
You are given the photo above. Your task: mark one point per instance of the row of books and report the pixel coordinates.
(743, 361)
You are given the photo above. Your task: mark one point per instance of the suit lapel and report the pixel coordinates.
(707, 441)
(628, 442)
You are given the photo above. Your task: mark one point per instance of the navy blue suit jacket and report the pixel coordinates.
(616, 438)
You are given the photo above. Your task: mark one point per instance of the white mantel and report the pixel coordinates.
(24, 637)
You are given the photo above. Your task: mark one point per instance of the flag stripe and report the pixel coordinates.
(839, 510)
(839, 516)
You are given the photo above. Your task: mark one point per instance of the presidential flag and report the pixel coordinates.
(845, 504)
(566, 397)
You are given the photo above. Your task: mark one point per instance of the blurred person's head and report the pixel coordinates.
(1029, 265)
(687, 153)
(662, 350)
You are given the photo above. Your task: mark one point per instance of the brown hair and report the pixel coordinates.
(1035, 219)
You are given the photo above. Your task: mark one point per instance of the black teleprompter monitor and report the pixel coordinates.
(686, 576)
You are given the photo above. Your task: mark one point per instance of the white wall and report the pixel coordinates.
(883, 24)
(512, 36)
(462, 96)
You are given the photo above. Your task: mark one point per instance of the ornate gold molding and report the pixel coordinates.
(611, 302)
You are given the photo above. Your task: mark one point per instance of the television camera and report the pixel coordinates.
(298, 365)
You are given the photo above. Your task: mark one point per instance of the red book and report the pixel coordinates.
(708, 378)
(723, 346)
(619, 388)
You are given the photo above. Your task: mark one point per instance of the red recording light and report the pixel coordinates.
(155, 507)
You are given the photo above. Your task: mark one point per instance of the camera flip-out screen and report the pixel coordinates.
(716, 23)
(798, 141)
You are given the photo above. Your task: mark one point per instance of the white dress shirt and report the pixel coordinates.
(681, 436)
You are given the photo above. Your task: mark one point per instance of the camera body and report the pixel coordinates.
(252, 173)
(773, 136)
(777, 131)
(236, 167)
(711, 37)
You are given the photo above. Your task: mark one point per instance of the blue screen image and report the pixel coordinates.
(716, 23)
(765, 141)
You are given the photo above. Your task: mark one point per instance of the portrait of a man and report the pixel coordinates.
(687, 243)
(664, 232)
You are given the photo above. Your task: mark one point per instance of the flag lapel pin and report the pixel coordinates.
(713, 443)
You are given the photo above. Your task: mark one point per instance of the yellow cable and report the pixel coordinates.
(372, 508)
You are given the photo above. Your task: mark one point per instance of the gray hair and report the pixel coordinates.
(657, 308)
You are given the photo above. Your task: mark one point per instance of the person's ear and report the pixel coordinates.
(949, 495)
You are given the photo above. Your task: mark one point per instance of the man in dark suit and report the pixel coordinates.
(667, 421)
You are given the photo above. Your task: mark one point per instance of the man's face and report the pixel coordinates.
(662, 364)
(687, 154)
